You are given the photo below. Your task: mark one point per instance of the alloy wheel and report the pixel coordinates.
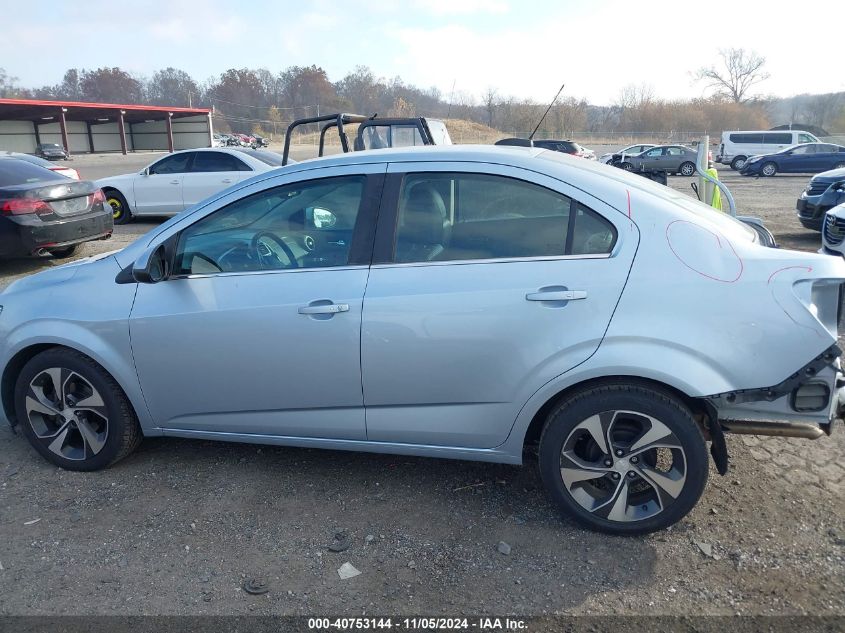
(769, 169)
(687, 169)
(67, 413)
(623, 466)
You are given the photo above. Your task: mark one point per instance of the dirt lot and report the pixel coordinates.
(181, 525)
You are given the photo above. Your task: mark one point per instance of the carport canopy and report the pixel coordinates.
(89, 127)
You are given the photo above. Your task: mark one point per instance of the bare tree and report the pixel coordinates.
(741, 70)
(490, 100)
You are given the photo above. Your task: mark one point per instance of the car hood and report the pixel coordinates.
(54, 276)
(122, 179)
(831, 175)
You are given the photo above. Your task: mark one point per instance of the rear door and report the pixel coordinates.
(487, 282)
(210, 173)
(159, 190)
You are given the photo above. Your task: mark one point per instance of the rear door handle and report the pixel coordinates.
(174, 182)
(556, 295)
(331, 308)
(226, 180)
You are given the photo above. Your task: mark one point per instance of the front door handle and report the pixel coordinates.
(556, 295)
(226, 180)
(330, 308)
(174, 182)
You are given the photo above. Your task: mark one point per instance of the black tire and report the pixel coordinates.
(769, 167)
(121, 212)
(117, 438)
(738, 163)
(61, 253)
(621, 401)
(686, 169)
(627, 166)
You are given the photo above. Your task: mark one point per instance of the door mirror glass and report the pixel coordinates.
(151, 267)
(321, 218)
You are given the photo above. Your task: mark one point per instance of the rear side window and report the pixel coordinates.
(747, 138)
(18, 172)
(217, 161)
(461, 216)
(778, 138)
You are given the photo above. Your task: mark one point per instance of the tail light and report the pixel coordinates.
(98, 199)
(24, 206)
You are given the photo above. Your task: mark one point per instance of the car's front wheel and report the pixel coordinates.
(627, 166)
(769, 169)
(120, 209)
(73, 412)
(623, 458)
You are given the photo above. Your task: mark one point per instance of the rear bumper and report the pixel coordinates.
(778, 411)
(25, 235)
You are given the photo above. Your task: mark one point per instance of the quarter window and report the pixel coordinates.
(301, 225)
(460, 216)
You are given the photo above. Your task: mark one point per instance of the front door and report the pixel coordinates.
(257, 331)
(159, 191)
(499, 280)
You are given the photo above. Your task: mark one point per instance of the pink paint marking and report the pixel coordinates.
(809, 269)
(716, 235)
(629, 202)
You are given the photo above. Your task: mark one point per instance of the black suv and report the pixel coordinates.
(823, 192)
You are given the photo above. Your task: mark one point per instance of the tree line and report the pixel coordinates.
(257, 100)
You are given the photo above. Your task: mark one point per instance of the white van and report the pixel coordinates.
(738, 145)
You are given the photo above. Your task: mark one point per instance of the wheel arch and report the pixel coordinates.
(25, 353)
(535, 426)
(130, 203)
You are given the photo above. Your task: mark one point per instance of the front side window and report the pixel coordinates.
(462, 216)
(807, 138)
(804, 149)
(173, 164)
(301, 225)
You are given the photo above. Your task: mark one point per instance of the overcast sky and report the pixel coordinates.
(522, 48)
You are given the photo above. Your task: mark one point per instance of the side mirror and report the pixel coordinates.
(146, 171)
(152, 266)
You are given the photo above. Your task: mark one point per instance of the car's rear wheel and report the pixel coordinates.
(738, 163)
(120, 210)
(61, 253)
(769, 169)
(73, 412)
(686, 169)
(623, 458)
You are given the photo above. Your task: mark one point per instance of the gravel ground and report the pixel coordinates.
(181, 526)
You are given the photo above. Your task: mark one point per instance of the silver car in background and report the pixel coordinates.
(458, 302)
(673, 159)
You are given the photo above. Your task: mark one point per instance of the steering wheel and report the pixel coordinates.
(255, 247)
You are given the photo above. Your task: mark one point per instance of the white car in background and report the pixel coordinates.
(607, 159)
(181, 179)
(69, 172)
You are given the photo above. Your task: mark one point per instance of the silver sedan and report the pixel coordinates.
(456, 302)
(674, 159)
